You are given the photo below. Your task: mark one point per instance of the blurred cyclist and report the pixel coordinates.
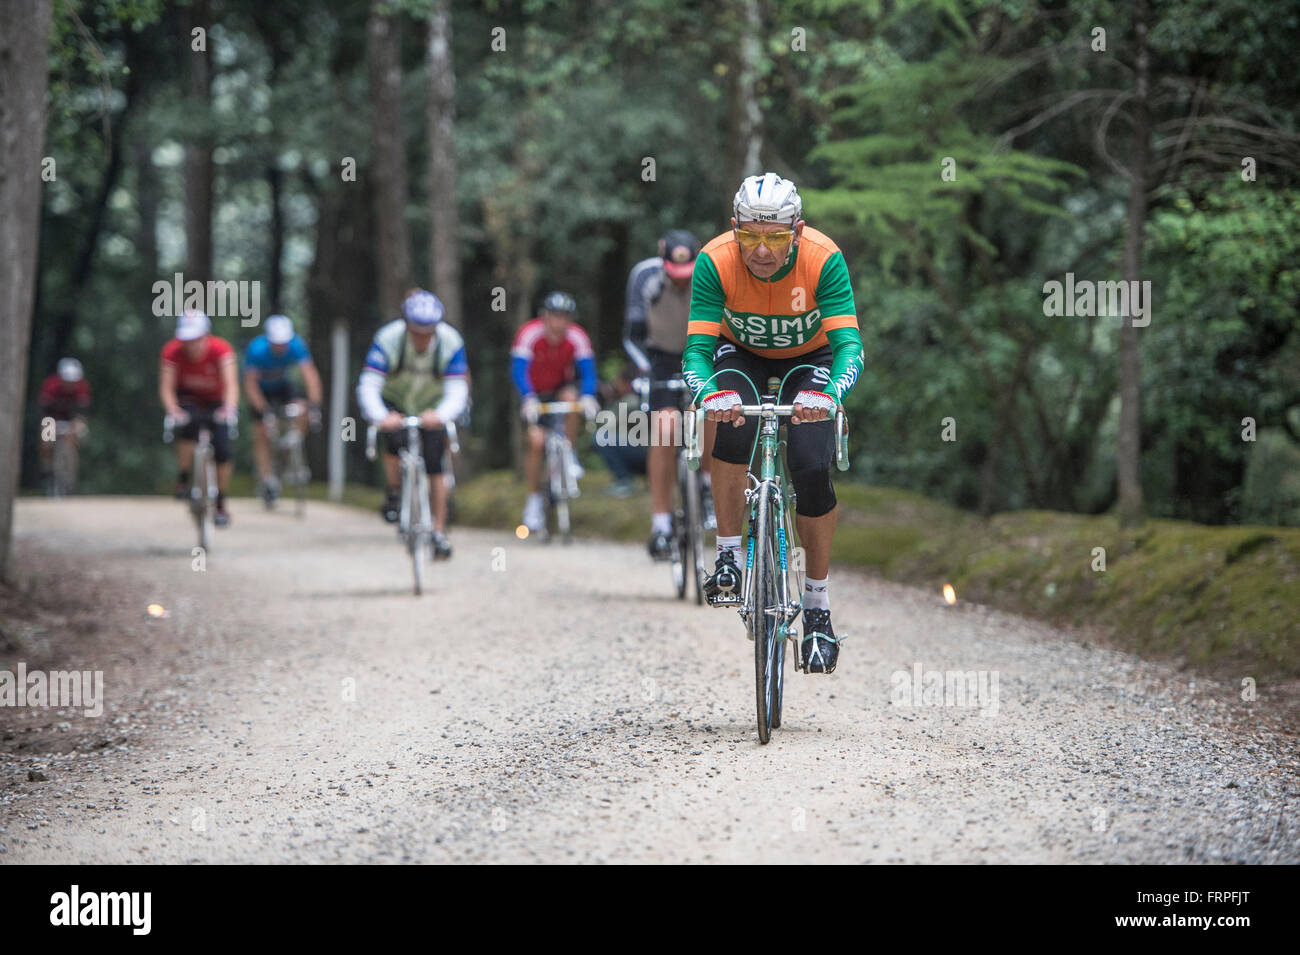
(269, 387)
(654, 335)
(416, 366)
(198, 383)
(65, 397)
(548, 354)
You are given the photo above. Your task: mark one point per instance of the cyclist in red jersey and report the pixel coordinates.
(548, 354)
(65, 397)
(198, 383)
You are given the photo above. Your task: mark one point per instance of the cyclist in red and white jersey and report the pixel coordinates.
(198, 382)
(548, 354)
(65, 397)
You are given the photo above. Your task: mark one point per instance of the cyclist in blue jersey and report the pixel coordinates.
(268, 385)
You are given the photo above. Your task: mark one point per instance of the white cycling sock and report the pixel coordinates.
(661, 523)
(732, 544)
(706, 480)
(816, 594)
(534, 498)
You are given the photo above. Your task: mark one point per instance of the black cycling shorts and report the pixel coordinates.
(665, 366)
(432, 444)
(566, 392)
(810, 447)
(280, 393)
(204, 415)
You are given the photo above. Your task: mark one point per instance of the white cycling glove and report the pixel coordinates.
(722, 401)
(530, 408)
(815, 399)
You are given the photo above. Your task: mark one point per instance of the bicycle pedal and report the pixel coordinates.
(724, 600)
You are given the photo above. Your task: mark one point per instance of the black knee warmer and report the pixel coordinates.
(814, 493)
(221, 443)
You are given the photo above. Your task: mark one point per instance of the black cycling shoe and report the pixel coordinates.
(660, 546)
(392, 506)
(220, 517)
(821, 650)
(722, 587)
(182, 492)
(441, 546)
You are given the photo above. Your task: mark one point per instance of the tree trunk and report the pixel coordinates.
(388, 157)
(1128, 464)
(275, 265)
(24, 44)
(1006, 425)
(749, 112)
(146, 204)
(148, 189)
(444, 221)
(340, 287)
(83, 262)
(606, 325)
(278, 45)
(198, 153)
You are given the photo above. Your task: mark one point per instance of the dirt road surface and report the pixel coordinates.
(544, 703)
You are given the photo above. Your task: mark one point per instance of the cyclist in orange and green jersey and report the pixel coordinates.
(767, 296)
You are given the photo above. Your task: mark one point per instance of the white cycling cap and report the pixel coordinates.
(192, 324)
(70, 370)
(279, 330)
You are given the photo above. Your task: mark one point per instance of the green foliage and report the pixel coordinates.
(1227, 274)
(551, 138)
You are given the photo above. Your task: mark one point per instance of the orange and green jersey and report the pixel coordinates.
(808, 303)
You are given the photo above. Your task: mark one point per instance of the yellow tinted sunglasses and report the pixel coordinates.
(776, 241)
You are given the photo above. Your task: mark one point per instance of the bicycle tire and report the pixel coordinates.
(299, 478)
(679, 541)
(201, 498)
(778, 643)
(762, 625)
(695, 532)
(563, 524)
(415, 535)
(417, 561)
(677, 565)
(560, 493)
(62, 480)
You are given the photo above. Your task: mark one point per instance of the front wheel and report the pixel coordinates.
(64, 476)
(560, 478)
(298, 468)
(678, 562)
(418, 556)
(764, 625)
(780, 637)
(694, 551)
(202, 500)
(418, 524)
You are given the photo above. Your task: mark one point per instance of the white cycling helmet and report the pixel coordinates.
(767, 198)
(70, 370)
(279, 330)
(422, 308)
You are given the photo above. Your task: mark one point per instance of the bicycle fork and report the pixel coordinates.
(786, 608)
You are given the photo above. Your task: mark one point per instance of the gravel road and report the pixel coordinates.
(554, 704)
